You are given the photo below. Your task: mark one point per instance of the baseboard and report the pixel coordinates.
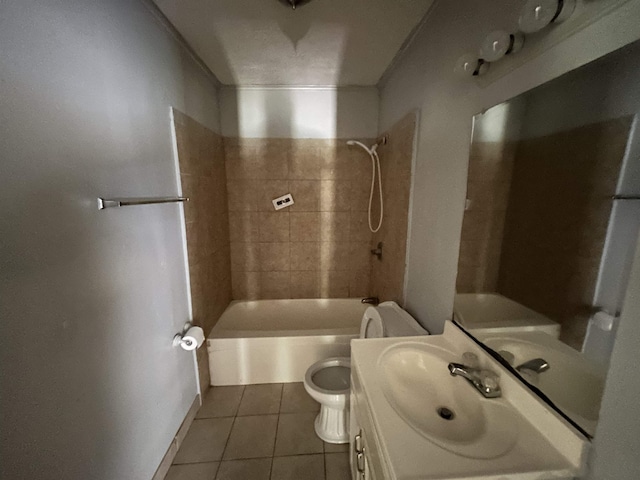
(167, 460)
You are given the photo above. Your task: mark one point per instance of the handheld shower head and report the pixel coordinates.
(375, 162)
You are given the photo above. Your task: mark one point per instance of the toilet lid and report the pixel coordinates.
(372, 326)
(335, 378)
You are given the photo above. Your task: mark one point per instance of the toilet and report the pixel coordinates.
(328, 381)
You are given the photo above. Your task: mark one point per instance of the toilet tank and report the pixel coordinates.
(389, 320)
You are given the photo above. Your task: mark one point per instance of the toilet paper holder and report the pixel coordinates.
(180, 340)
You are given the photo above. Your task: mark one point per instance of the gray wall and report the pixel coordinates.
(617, 443)
(91, 387)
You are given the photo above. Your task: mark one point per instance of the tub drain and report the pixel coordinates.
(445, 413)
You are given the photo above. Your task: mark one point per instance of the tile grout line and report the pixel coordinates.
(273, 453)
(226, 444)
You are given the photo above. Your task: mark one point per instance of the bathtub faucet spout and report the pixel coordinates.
(371, 300)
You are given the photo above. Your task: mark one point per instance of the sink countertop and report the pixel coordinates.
(546, 446)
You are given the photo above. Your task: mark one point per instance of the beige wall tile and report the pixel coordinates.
(305, 284)
(334, 256)
(334, 226)
(202, 357)
(334, 284)
(275, 257)
(245, 285)
(540, 262)
(360, 192)
(359, 227)
(304, 226)
(305, 255)
(387, 275)
(335, 195)
(242, 162)
(203, 178)
(305, 161)
(360, 283)
(275, 285)
(268, 190)
(274, 226)
(271, 159)
(245, 257)
(243, 195)
(311, 235)
(306, 195)
(359, 256)
(329, 163)
(189, 187)
(360, 161)
(244, 227)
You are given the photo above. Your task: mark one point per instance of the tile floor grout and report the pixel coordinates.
(275, 439)
(233, 422)
(332, 466)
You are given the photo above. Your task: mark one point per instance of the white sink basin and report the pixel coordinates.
(572, 383)
(444, 409)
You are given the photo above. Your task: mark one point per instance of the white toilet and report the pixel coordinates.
(328, 381)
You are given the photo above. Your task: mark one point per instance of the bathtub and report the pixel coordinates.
(275, 341)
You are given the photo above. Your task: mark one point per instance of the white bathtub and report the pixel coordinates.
(275, 341)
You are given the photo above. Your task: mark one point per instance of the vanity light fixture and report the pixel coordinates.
(537, 14)
(500, 43)
(469, 65)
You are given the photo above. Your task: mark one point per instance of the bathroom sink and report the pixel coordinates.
(444, 409)
(571, 382)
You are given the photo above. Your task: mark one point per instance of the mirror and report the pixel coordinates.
(551, 219)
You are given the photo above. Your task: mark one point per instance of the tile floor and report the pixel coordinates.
(258, 432)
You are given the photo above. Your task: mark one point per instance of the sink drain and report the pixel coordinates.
(445, 413)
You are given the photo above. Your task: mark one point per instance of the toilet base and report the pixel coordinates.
(332, 424)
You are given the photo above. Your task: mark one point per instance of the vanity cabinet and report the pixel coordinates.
(365, 456)
(397, 431)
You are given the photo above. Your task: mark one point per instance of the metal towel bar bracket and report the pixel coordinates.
(125, 202)
(626, 197)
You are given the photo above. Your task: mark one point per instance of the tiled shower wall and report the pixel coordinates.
(318, 247)
(489, 181)
(239, 247)
(203, 178)
(387, 274)
(535, 227)
(557, 218)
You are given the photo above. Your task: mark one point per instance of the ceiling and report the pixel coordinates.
(326, 42)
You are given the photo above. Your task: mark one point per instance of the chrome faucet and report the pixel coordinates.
(485, 381)
(371, 300)
(537, 365)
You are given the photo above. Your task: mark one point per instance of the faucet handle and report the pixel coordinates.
(490, 382)
(470, 359)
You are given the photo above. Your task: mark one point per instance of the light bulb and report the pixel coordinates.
(537, 14)
(499, 43)
(469, 65)
(566, 10)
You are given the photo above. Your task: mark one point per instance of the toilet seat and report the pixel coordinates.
(330, 376)
(372, 326)
(328, 383)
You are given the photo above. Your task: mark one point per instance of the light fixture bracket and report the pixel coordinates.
(294, 3)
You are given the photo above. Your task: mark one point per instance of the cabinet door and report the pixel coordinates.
(360, 464)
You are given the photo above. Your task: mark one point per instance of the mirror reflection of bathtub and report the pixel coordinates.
(494, 313)
(550, 225)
